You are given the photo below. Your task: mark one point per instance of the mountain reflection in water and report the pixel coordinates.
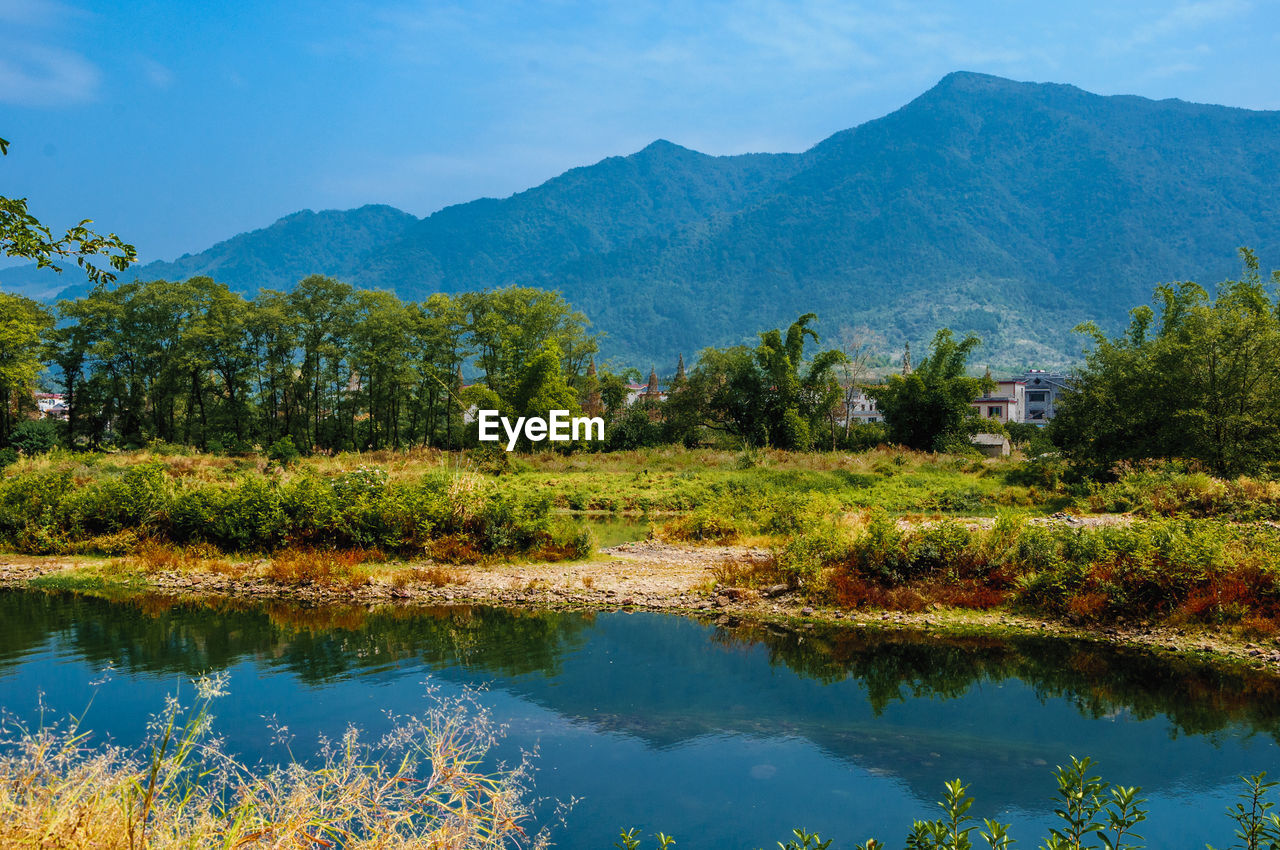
(761, 725)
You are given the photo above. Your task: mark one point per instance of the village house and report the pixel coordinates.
(1005, 403)
(51, 405)
(1042, 392)
(857, 408)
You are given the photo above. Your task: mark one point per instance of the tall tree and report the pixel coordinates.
(22, 324)
(929, 408)
(1200, 380)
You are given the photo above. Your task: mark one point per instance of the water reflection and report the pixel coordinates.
(854, 724)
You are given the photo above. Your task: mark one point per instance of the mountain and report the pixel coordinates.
(1015, 210)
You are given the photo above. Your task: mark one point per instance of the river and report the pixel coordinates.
(723, 735)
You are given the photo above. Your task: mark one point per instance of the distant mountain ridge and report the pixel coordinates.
(1015, 210)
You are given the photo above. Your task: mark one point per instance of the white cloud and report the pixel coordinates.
(36, 12)
(35, 75)
(158, 75)
(1183, 18)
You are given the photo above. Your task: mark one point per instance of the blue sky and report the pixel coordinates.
(180, 124)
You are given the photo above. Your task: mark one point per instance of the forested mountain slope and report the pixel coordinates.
(1012, 209)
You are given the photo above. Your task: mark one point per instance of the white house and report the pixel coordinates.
(1005, 403)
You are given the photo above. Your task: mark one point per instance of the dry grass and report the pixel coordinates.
(421, 786)
(322, 566)
(748, 572)
(154, 557)
(435, 576)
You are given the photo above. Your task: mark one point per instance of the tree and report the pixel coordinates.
(509, 328)
(22, 235)
(766, 395)
(1199, 380)
(929, 408)
(543, 387)
(796, 401)
(858, 344)
(22, 324)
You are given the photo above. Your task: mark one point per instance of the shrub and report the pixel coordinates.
(53, 507)
(701, 525)
(283, 452)
(801, 557)
(34, 436)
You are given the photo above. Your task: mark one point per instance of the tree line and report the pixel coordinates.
(325, 365)
(328, 367)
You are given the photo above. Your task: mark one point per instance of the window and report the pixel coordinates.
(993, 412)
(1040, 396)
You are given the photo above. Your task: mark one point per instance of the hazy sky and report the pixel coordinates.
(178, 124)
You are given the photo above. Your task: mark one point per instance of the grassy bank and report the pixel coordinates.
(884, 529)
(459, 507)
(652, 480)
(71, 504)
(1174, 572)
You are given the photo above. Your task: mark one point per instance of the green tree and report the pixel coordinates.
(22, 235)
(22, 324)
(766, 395)
(797, 401)
(543, 387)
(1200, 380)
(510, 327)
(930, 407)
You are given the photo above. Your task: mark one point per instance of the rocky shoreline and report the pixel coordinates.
(641, 576)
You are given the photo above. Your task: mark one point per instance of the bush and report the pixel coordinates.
(54, 508)
(635, 429)
(34, 437)
(803, 556)
(283, 452)
(701, 525)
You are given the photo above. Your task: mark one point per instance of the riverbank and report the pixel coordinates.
(645, 575)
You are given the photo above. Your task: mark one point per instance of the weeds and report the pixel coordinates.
(1182, 571)
(421, 785)
(70, 504)
(435, 576)
(330, 567)
(748, 572)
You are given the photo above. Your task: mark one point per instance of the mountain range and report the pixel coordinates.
(1013, 210)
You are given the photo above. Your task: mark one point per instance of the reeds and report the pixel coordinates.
(422, 785)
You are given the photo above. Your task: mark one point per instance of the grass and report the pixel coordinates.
(69, 504)
(668, 479)
(420, 786)
(679, 480)
(1177, 572)
(878, 529)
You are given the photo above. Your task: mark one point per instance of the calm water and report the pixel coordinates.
(724, 736)
(612, 529)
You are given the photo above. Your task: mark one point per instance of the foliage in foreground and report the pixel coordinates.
(420, 786)
(1092, 815)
